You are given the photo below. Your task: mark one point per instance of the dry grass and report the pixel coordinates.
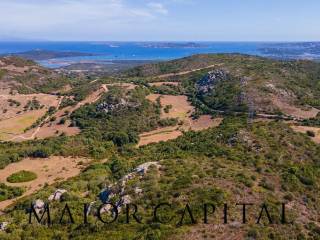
(292, 110)
(182, 110)
(15, 126)
(304, 129)
(48, 171)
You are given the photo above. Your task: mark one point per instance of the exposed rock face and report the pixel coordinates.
(143, 168)
(38, 205)
(56, 196)
(118, 190)
(208, 82)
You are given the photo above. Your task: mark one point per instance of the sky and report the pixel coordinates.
(160, 20)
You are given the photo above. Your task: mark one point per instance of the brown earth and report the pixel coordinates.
(304, 129)
(161, 134)
(290, 109)
(11, 128)
(182, 110)
(204, 122)
(49, 171)
(12, 111)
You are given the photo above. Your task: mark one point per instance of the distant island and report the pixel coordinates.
(173, 45)
(39, 54)
(299, 50)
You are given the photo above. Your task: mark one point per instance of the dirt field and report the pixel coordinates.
(294, 111)
(10, 128)
(205, 122)
(128, 86)
(304, 129)
(161, 134)
(49, 170)
(8, 111)
(182, 110)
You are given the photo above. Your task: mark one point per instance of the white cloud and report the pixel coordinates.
(73, 17)
(158, 7)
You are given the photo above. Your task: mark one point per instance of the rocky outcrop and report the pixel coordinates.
(3, 226)
(56, 196)
(143, 168)
(38, 205)
(208, 82)
(110, 107)
(117, 190)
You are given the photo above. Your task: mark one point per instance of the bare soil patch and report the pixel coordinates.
(161, 134)
(205, 122)
(292, 110)
(8, 111)
(304, 129)
(49, 170)
(12, 127)
(182, 110)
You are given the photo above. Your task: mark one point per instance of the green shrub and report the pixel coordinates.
(21, 176)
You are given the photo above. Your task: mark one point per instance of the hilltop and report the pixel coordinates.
(262, 85)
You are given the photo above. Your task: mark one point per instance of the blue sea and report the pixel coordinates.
(107, 51)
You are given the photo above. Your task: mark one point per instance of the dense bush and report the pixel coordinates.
(22, 176)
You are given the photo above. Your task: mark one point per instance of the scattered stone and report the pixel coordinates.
(121, 104)
(126, 199)
(3, 226)
(143, 168)
(90, 208)
(38, 205)
(138, 190)
(56, 196)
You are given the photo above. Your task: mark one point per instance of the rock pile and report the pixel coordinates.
(110, 107)
(208, 82)
(3, 226)
(56, 196)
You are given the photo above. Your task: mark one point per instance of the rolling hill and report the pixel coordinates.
(242, 129)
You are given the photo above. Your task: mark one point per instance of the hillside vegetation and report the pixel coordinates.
(254, 156)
